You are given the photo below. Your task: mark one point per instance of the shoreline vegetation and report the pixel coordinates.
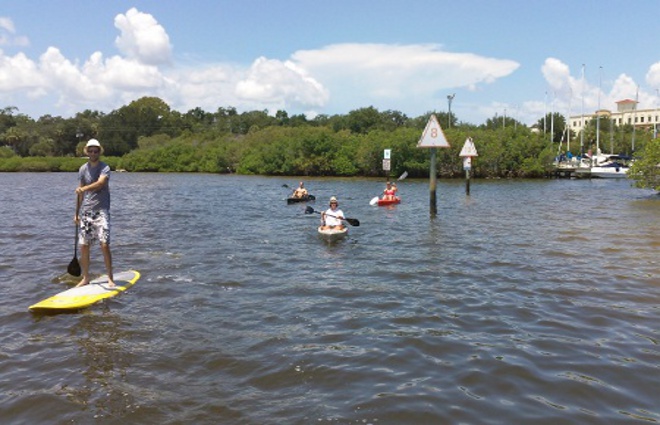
(147, 136)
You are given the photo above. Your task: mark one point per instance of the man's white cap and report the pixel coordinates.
(93, 143)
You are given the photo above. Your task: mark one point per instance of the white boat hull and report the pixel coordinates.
(332, 234)
(609, 172)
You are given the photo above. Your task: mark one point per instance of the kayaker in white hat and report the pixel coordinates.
(333, 216)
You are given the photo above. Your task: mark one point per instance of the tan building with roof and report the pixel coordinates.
(626, 113)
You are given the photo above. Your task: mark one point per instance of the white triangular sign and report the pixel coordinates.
(433, 137)
(468, 149)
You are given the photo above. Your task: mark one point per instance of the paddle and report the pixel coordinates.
(74, 266)
(352, 221)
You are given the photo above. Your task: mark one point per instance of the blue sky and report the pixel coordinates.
(515, 58)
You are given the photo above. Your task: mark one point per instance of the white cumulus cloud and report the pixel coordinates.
(412, 78)
(99, 83)
(7, 24)
(577, 94)
(280, 83)
(398, 73)
(19, 73)
(8, 35)
(142, 38)
(653, 76)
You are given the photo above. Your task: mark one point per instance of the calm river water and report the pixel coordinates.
(526, 302)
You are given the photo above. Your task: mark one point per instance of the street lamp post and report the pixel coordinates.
(450, 97)
(79, 134)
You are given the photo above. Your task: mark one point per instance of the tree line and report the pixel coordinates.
(147, 135)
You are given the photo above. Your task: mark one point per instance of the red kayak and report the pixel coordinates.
(382, 202)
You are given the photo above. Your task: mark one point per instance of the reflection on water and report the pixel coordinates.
(526, 302)
(103, 363)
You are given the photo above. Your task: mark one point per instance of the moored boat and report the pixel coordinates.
(613, 167)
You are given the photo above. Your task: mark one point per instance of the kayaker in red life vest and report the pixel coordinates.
(389, 194)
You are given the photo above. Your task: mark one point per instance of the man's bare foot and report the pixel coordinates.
(111, 283)
(82, 283)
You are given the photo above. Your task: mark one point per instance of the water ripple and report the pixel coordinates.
(523, 303)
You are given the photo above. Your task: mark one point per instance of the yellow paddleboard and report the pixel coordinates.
(84, 296)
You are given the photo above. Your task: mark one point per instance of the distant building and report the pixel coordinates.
(627, 113)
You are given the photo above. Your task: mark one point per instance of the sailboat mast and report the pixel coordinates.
(600, 79)
(567, 126)
(655, 122)
(611, 136)
(635, 118)
(552, 118)
(582, 117)
(568, 121)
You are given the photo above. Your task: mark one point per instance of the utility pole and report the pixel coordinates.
(450, 97)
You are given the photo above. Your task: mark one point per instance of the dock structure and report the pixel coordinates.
(573, 168)
(564, 171)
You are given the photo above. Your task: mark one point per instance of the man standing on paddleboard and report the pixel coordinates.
(93, 216)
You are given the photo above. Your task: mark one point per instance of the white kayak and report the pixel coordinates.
(333, 234)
